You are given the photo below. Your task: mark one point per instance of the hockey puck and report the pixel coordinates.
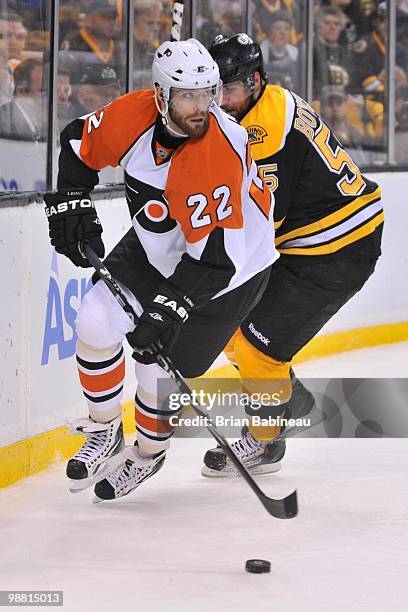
(257, 566)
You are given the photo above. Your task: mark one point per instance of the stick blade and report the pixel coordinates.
(285, 508)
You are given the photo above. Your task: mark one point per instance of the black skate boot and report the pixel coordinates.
(302, 400)
(300, 405)
(130, 474)
(257, 456)
(103, 440)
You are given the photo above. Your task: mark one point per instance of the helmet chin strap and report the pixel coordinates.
(174, 132)
(164, 112)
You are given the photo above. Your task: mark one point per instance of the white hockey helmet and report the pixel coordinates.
(184, 64)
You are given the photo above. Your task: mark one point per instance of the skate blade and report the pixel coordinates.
(106, 467)
(98, 500)
(76, 486)
(228, 473)
(77, 489)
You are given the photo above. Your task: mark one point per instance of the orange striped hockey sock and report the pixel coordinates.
(155, 426)
(102, 379)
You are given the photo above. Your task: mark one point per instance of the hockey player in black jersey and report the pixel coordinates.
(328, 223)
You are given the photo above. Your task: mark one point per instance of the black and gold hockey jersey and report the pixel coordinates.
(323, 204)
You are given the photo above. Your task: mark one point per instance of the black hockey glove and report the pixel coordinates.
(72, 218)
(161, 320)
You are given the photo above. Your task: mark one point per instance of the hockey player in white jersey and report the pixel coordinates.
(195, 262)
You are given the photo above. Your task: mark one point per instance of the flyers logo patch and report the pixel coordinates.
(156, 211)
(256, 134)
(147, 207)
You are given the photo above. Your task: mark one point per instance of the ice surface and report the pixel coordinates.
(386, 361)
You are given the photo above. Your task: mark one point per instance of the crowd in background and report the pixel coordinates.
(349, 60)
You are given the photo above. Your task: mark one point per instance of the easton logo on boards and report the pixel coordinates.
(256, 134)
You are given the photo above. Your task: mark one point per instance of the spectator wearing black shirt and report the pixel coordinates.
(99, 85)
(349, 33)
(146, 31)
(280, 57)
(95, 42)
(362, 13)
(331, 60)
(370, 58)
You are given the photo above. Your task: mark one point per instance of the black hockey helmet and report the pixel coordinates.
(238, 57)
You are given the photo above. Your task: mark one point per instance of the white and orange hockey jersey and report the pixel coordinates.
(201, 213)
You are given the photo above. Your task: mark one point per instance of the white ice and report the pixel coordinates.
(386, 361)
(179, 543)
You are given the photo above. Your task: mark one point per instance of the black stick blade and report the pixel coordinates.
(285, 508)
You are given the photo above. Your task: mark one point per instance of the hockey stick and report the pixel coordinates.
(279, 508)
(178, 9)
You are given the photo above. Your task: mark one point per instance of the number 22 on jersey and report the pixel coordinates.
(198, 201)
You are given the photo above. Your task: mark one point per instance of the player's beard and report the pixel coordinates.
(187, 126)
(239, 111)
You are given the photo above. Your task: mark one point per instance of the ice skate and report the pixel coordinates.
(257, 456)
(103, 440)
(130, 474)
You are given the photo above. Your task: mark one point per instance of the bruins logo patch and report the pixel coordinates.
(256, 134)
(360, 46)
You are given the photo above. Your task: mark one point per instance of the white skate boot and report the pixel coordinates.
(103, 440)
(133, 471)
